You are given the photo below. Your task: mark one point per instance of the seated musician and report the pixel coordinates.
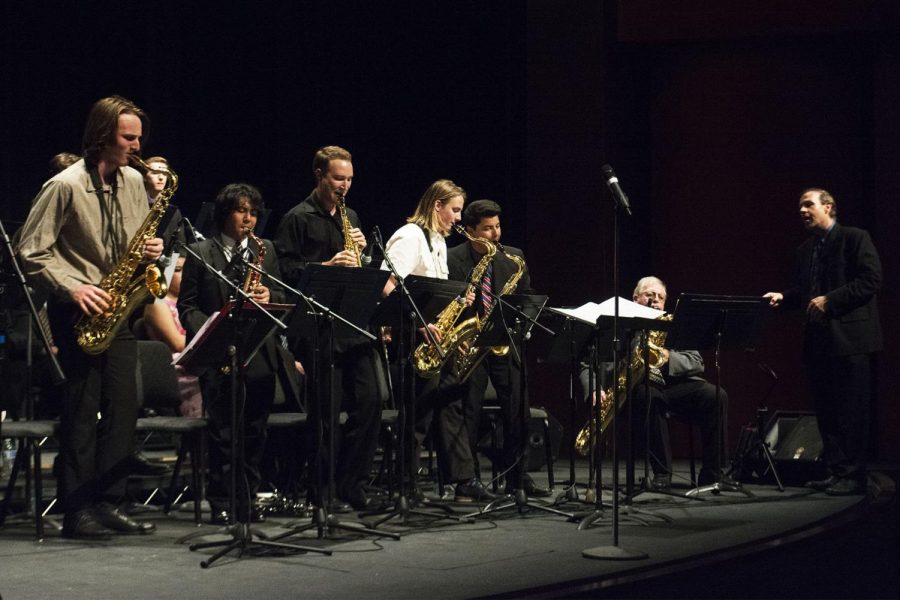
(677, 387)
(270, 373)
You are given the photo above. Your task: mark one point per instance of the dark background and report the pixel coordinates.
(715, 117)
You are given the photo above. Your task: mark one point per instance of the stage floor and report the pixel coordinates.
(533, 553)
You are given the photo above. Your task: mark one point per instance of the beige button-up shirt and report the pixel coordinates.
(66, 241)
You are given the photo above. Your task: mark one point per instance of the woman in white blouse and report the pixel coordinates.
(419, 247)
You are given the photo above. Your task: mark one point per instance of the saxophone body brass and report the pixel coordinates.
(428, 359)
(469, 358)
(616, 395)
(346, 226)
(127, 285)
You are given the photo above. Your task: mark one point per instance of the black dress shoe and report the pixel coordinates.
(257, 514)
(820, 485)
(473, 491)
(845, 486)
(357, 499)
(81, 525)
(141, 465)
(220, 517)
(111, 517)
(661, 483)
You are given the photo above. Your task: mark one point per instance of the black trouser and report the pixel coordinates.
(691, 399)
(505, 375)
(94, 452)
(842, 389)
(252, 408)
(440, 400)
(356, 392)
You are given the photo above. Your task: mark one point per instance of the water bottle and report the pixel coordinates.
(10, 448)
(2, 346)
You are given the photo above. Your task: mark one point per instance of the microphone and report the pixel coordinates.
(198, 237)
(612, 182)
(370, 248)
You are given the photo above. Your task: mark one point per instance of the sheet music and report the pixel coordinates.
(591, 311)
(201, 334)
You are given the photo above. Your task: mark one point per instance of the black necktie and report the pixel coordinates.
(815, 268)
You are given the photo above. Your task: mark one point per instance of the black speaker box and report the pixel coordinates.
(796, 446)
(537, 453)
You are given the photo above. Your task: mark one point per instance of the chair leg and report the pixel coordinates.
(691, 451)
(179, 460)
(38, 489)
(549, 453)
(197, 439)
(494, 483)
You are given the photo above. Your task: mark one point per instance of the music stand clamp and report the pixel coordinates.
(708, 322)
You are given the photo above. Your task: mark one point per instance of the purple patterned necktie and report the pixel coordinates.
(486, 296)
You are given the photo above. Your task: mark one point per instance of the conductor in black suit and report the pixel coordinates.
(271, 372)
(837, 278)
(482, 219)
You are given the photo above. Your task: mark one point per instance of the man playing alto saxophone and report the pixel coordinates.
(80, 225)
(482, 219)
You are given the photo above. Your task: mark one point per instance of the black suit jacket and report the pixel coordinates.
(203, 293)
(851, 278)
(461, 260)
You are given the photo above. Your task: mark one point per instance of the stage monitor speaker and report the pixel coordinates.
(796, 445)
(537, 453)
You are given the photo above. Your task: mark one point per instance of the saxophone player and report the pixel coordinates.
(79, 227)
(677, 387)
(314, 232)
(481, 218)
(420, 248)
(270, 374)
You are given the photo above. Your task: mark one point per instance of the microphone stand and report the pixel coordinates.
(613, 552)
(407, 407)
(242, 538)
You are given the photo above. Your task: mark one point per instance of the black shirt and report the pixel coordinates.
(308, 234)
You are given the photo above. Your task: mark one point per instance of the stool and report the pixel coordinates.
(31, 435)
(192, 431)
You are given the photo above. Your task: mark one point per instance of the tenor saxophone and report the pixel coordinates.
(128, 288)
(471, 357)
(428, 359)
(615, 396)
(349, 244)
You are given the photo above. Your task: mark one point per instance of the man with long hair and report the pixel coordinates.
(78, 230)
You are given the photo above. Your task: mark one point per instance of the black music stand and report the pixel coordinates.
(572, 337)
(511, 323)
(416, 301)
(221, 340)
(348, 295)
(704, 322)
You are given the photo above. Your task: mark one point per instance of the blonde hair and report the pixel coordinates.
(441, 191)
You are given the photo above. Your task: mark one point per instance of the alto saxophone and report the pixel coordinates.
(471, 327)
(253, 277)
(349, 244)
(428, 359)
(127, 288)
(616, 395)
